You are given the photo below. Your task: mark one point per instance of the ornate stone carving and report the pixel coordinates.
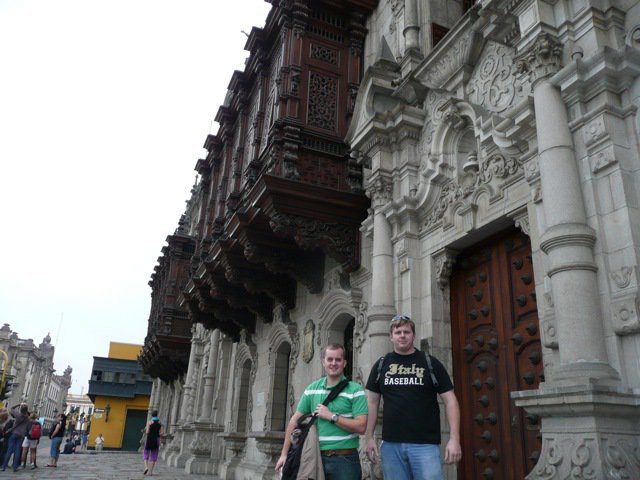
(542, 58)
(548, 331)
(453, 118)
(444, 261)
(323, 97)
(587, 458)
(380, 191)
(361, 326)
(497, 166)
(448, 62)
(492, 84)
(201, 444)
(622, 277)
(601, 160)
(532, 171)
(624, 315)
(451, 192)
(307, 343)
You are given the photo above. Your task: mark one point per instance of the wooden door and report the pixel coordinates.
(496, 350)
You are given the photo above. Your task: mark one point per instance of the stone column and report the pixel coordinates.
(411, 30)
(589, 423)
(382, 285)
(568, 240)
(210, 379)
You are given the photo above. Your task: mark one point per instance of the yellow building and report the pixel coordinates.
(120, 392)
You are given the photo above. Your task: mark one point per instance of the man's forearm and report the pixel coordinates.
(373, 404)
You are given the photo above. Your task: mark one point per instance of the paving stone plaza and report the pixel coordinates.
(102, 466)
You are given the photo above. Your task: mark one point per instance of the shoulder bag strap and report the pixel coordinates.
(335, 392)
(434, 380)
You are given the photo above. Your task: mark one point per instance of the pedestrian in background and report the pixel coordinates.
(56, 436)
(6, 424)
(31, 441)
(99, 442)
(154, 432)
(18, 432)
(85, 439)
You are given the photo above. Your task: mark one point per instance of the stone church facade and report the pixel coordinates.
(473, 165)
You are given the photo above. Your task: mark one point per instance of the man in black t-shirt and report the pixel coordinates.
(411, 416)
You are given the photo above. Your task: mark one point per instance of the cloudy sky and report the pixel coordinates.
(104, 108)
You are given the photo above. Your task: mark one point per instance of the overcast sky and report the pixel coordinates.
(104, 108)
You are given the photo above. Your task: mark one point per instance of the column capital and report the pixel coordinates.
(380, 190)
(540, 59)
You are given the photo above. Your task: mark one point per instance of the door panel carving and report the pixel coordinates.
(496, 350)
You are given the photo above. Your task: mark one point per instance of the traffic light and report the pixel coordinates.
(7, 390)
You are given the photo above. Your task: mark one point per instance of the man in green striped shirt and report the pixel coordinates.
(339, 424)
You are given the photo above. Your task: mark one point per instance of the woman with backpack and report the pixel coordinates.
(31, 442)
(154, 432)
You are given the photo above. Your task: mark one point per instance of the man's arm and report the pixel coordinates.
(373, 400)
(453, 451)
(287, 440)
(356, 424)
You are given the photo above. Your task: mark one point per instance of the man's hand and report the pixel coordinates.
(324, 412)
(453, 452)
(280, 462)
(372, 451)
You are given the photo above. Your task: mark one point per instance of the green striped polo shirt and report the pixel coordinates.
(350, 403)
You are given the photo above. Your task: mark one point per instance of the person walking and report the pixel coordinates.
(339, 424)
(99, 442)
(31, 441)
(85, 439)
(408, 380)
(154, 432)
(56, 436)
(19, 431)
(6, 425)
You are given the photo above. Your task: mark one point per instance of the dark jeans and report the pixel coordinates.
(14, 447)
(342, 467)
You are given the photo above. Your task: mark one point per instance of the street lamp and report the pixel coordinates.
(107, 409)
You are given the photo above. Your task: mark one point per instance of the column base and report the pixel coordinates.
(588, 431)
(589, 373)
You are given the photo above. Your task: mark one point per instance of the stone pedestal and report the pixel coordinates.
(183, 439)
(588, 432)
(203, 449)
(270, 445)
(234, 447)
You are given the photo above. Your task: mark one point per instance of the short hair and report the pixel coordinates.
(154, 413)
(401, 321)
(24, 409)
(334, 346)
(34, 416)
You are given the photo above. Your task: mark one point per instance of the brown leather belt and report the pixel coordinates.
(339, 451)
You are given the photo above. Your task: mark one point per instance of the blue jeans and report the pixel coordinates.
(14, 447)
(342, 467)
(411, 461)
(55, 447)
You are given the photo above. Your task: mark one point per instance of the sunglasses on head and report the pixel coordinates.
(398, 318)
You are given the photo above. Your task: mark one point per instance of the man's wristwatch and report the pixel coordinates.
(334, 418)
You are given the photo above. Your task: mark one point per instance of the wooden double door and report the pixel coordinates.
(496, 350)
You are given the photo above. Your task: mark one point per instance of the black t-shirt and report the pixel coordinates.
(411, 413)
